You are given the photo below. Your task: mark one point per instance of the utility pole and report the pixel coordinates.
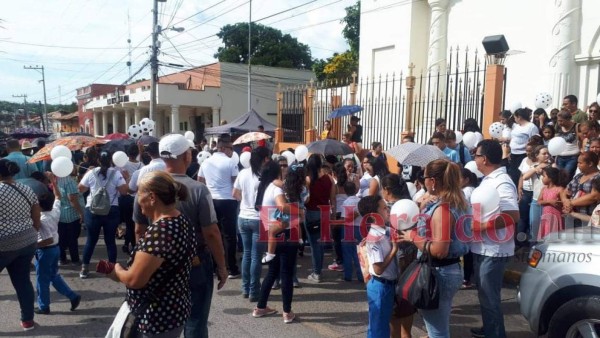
(24, 96)
(43, 81)
(250, 58)
(154, 59)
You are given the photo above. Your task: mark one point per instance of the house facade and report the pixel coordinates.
(558, 40)
(193, 99)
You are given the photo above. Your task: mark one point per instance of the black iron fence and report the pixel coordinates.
(456, 94)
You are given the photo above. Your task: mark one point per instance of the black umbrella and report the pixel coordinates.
(329, 147)
(118, 145)
(147, 139)
(29, 132)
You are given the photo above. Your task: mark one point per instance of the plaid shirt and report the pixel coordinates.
(68, 186)
(577, 189)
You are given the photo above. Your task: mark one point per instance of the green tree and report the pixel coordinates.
(343, 65)
(351, 31)
(270, 47)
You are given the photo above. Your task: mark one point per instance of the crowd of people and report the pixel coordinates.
(187, 218)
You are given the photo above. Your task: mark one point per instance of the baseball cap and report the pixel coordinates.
(173, 145)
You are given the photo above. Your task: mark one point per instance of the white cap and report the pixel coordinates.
(172, 145)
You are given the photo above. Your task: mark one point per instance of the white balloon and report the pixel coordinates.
(472, 166)
(516, 106)
(557, 145)
(478, 137)
(61, 166)
(189, 135)
(403, 214)
(412, 188)
(289, 156)
(146, 125)
(235, 158)
(202, 156)
(496, 130)
(245, 159)
(120, 159)
(134, 131)
(301, 153)
(274, 157)
(543, 100)
(470, 139)
(488, 199)
(60, 151)
(459, 136)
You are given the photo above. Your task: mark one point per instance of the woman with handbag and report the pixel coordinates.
(158, 274)
(436, 236)
(19, 223)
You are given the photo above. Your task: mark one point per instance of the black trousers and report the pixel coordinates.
(281, 266)
(227, 219)
(68, 233)
(126, 211)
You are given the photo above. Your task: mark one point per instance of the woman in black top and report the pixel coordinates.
(357, 132)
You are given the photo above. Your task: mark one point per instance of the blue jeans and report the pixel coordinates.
(17, 264)
(381, 303)
(535, 215)
(202, 286)
(316, 247)
(351, 255)
(567, 163)
(253, 249)
(438, 321)
(489, 272)
(46, 267)
(109, 224)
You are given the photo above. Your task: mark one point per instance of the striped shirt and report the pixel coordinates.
(67, 186)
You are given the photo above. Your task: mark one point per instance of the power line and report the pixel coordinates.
(59, 47)
(202, 11)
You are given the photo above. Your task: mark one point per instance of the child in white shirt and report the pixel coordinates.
(48, 254)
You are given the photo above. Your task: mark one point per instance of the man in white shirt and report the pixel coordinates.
(219, 172)
(490, 255)
(155, 164)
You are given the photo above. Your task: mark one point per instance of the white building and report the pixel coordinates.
(194, 99)
(559, 40)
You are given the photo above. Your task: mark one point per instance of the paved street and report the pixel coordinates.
(330, 309)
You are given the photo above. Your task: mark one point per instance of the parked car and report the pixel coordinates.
(559, 293)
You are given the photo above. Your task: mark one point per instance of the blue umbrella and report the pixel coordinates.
(345, 111)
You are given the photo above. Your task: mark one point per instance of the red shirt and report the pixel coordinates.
(319, 193)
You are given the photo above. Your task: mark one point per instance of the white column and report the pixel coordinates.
(97, 117)
(104, 123)
(438, 36)
(159, 118)
(138, 115)
(175, 119)
(565, 45)
(115, 121)
(127, 119)
(216, 116)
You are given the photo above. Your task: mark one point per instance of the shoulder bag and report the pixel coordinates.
(418, 284)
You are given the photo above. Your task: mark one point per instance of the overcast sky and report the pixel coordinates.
(85, 41)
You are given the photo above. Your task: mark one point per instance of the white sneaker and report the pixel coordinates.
(313, 277)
